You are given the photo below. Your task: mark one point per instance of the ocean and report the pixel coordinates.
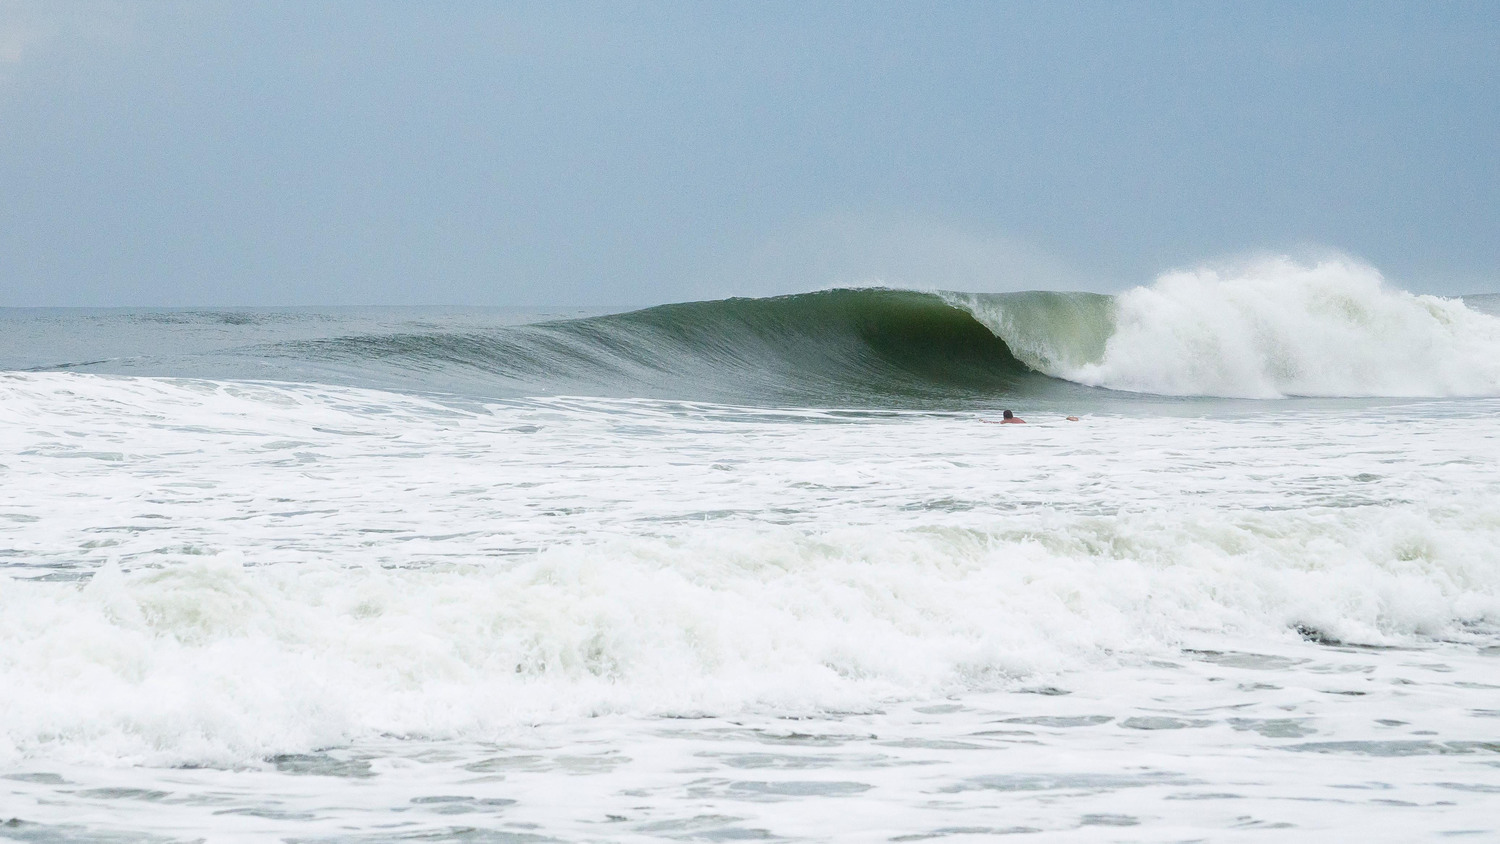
(758, 568)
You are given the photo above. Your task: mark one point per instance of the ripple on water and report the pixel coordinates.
(455, 835)
(446, 804)
(1274, 727)
(38, 833)
(783, 761)
(1479, 788)
(967, 830)
(40, 778)
(934, 744)
(1398, 747)
(124, 794)
(1065, 782)
(519, 762)
(1240, 659)
(1062, 721)
(705, 828)
(1163, 723)
(768, 737)
(753, 790)
(321, 765)
(1109, 820)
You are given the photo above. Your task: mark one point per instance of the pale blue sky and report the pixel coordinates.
(632, 153)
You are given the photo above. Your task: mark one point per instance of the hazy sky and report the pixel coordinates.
(631, 153)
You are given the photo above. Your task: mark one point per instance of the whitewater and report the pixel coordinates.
(759, 568)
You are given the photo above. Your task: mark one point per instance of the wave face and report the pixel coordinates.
(837, 347)
(1271, 330)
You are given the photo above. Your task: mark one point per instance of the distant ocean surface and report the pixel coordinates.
(758, 568)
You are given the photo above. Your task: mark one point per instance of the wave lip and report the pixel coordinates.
(1276, 329)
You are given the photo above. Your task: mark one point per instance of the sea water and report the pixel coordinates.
(397, 589)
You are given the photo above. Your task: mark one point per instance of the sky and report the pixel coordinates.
(633, 153)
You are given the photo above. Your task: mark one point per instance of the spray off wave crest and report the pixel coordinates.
(1277, 328)
(1272, 329)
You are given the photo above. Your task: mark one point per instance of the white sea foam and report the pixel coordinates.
(345, 564)
(1280, 328)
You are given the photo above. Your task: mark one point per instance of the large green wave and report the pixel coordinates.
(829, 348)
(1273, 330)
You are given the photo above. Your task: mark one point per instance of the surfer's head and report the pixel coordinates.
(1008, 415)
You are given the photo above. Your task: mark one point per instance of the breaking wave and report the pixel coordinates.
(1282, 329)
(1270, 330)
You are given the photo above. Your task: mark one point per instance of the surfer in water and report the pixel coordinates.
(1008, 418)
